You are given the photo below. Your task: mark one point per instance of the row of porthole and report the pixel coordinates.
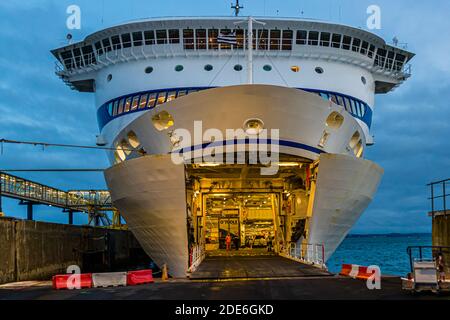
(238, 67)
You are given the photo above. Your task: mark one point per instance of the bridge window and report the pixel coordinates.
(149, 36)
(174, 36)
(371, 51)
(313, 39)
(380, 57)
(364, 47)
(161, 98)
(161, 36)
(116, 106)
(135, 103)
(263, 39)
(302, 35)
(88, 55)
(121, 103)
(137, 39)
(162, 121)
(127, 105)
(151, 100)
(346, 42)
(126, 40)
(275, 39)
(325, 39)
(77, 55)
(336, 40)
(239, 38)
(98, 48)
(143, 101)
(106, 44)
(347, 105)
(188, 38)
(116, 43)
(356, 44)
(201, 38)
(110, 108)
(212, 36)
(181, 93)
(171, 96)
(287, 40)
(225, 46)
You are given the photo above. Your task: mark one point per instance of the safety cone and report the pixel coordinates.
(164, 276)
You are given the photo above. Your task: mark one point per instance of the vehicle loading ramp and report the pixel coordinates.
(254, 267)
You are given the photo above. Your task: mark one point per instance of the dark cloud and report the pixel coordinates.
(411, 125)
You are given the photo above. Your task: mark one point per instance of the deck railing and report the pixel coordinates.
(308, 253)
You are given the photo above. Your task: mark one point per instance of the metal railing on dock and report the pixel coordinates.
(438, 197)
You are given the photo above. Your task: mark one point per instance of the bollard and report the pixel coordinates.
(164, 276)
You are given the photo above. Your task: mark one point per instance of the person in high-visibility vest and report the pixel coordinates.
(228, 242)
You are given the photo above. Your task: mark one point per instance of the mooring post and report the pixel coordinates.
(70, 217)
(1, 185)
(29, 211)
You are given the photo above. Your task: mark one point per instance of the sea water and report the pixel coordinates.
(386, 251)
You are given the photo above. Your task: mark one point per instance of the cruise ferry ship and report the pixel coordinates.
(309, 85)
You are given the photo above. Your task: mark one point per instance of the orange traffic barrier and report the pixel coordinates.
(139, 277)
(356, 272)
(69, 281)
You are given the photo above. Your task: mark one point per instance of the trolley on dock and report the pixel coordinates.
(427, 272)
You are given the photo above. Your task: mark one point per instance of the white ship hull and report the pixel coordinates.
(150, 190)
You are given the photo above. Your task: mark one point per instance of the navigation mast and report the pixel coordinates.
(237, 8)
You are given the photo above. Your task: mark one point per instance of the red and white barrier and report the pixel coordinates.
(139, 277)
(72, 281)
(100, 280)
(355, 271)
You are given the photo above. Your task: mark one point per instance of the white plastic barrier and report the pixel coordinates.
(111, 279)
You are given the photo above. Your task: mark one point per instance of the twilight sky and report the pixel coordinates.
(411, 125)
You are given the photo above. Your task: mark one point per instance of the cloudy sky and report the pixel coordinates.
(411, 125)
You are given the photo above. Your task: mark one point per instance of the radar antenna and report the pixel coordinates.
(236, 7)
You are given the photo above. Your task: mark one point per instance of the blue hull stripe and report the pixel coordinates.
(284, 143)
(104, 113)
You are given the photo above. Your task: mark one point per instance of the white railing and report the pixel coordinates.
(196, 256)
(313, 254)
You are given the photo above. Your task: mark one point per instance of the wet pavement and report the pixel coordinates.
(245, 267)
(318, 288)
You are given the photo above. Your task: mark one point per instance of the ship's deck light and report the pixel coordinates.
(290, 164)
(206, 164)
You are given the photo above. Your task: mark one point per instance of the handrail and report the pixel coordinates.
(308, 253)
(196, 256)
(89, 59)
(410, 249)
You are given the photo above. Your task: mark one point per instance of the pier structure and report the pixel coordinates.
(95, 203)
(440, 213)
